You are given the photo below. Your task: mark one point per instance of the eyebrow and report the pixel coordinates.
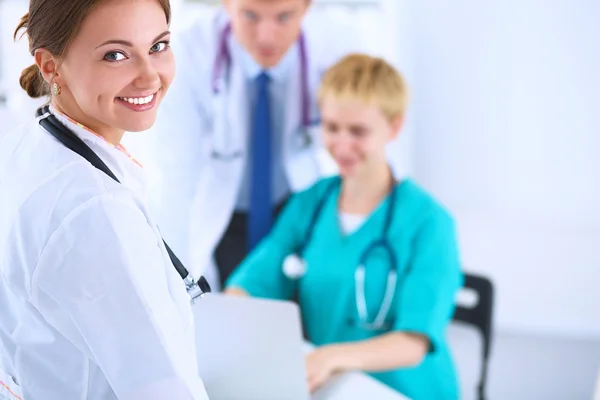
(129, 44)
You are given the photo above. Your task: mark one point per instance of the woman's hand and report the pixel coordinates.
(321, 365)
(235, 291)
(382, 353)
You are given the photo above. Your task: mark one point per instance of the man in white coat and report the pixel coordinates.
(238, 131)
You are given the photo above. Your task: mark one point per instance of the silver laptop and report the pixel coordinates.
(250, 349)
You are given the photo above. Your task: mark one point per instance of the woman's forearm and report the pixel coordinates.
(383, 353)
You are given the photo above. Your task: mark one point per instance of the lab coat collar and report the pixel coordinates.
(128, 170)
(279, 73)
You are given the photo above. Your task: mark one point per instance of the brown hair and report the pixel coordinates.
(52, 25)
(371, 80)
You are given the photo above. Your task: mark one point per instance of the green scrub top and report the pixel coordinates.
(422, 235)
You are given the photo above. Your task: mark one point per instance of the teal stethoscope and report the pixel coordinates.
(294, 266)
(222, 66)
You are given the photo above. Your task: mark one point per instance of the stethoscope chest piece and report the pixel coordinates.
(294, 267)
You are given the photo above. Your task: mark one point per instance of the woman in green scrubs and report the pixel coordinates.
(334, 225)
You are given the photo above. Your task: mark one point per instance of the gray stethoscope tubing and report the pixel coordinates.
(359, 274)
(222, 63)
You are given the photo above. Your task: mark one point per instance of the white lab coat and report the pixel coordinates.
(91, 306)
(193, 194)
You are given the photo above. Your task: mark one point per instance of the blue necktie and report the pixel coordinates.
(260, 214)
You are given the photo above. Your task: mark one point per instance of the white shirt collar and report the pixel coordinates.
(117, 159)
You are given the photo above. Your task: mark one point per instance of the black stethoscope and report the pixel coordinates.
(294, 265)
(71, 141)
(222, 66)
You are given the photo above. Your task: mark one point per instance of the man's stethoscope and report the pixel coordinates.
(71, 141)
(294, 266)
(220, 79)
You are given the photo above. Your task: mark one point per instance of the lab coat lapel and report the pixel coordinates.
(326, 165)
(300, 164)
(304, 165)
(292, 108)
(217, 190)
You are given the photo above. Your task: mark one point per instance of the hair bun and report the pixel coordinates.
(33, 83)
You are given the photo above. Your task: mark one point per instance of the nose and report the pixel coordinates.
(147, 76)
(266, 31)
(343, 142)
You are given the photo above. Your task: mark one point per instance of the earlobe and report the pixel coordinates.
(47, 65)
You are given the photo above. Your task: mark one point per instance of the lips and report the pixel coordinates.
(141, 103)
(137, 100)
(267, 52)
(345, 163)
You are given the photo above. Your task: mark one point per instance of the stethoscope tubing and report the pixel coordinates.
(360, 272)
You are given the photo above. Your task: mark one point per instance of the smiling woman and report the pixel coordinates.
(92, 306)
(100, 76)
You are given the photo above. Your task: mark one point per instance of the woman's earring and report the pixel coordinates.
(56, 89)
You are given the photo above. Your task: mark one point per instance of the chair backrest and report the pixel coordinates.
(480, 317)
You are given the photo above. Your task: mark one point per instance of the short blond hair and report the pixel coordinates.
(368, 79)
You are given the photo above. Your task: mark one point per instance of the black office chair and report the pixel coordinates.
(480, 317)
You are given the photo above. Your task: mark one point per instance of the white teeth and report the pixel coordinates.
(138, 100)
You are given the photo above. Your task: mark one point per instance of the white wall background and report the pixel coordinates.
(508, 136)
(14, 56)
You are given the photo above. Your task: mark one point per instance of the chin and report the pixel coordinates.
(138, 124)
(268, 61)
(347, 172)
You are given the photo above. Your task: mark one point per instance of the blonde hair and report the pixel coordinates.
(367, 79)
